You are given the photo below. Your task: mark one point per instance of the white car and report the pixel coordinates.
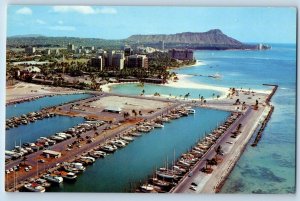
(229, 142)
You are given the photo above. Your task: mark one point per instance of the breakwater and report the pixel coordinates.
(275, 87)
(263, 126)
(35, 97)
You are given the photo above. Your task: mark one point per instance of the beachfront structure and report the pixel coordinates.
(97, 62)
(181, 54)
(137, 61)
(118, 60)
(30, 50)
(110, 57)
(103, 54)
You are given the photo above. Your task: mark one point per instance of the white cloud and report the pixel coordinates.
(87, 10)
(40, 21)
(24, 11)
(62, 28)
(60, 22)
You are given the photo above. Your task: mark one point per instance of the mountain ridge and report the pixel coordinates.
(213, 39)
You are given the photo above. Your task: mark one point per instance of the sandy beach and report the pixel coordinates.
(23, 90)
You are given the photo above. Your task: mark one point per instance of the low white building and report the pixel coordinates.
(32, 69)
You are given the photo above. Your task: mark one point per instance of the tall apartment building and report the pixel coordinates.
(181, 54)
(118, 60)
(137, 61)
(162, 45)
(128, 51)
(71, 47)
(97, 62)
(30, 50)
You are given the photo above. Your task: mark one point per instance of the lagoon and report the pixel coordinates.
(150, 89)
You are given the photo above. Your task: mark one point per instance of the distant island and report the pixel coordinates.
(213, 39)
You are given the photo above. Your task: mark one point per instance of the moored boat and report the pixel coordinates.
(53, 178)
(34, 187)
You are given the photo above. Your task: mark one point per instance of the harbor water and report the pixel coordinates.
(38, 104)
(128, 167)
(41, 128)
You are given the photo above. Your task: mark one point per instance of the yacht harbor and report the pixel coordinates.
(111, 126)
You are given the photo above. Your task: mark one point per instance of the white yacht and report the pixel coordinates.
(158, 125)
(70, 176)
(53, 178)
(34, 187)
(191, 111)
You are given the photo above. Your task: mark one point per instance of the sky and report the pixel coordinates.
(246, 24)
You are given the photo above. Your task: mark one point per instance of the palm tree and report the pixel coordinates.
(201, 99)
(134, 112)
(186, 96)
(218, 96)
(213, 95)
(143, 91)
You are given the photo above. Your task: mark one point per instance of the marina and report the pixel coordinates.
(103, 140)
(118, 178)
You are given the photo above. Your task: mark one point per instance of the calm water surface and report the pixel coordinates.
(41, 128)
(127, 167)
(151, 89)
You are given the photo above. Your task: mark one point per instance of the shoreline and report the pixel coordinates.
(197, 63)
(183, 82)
